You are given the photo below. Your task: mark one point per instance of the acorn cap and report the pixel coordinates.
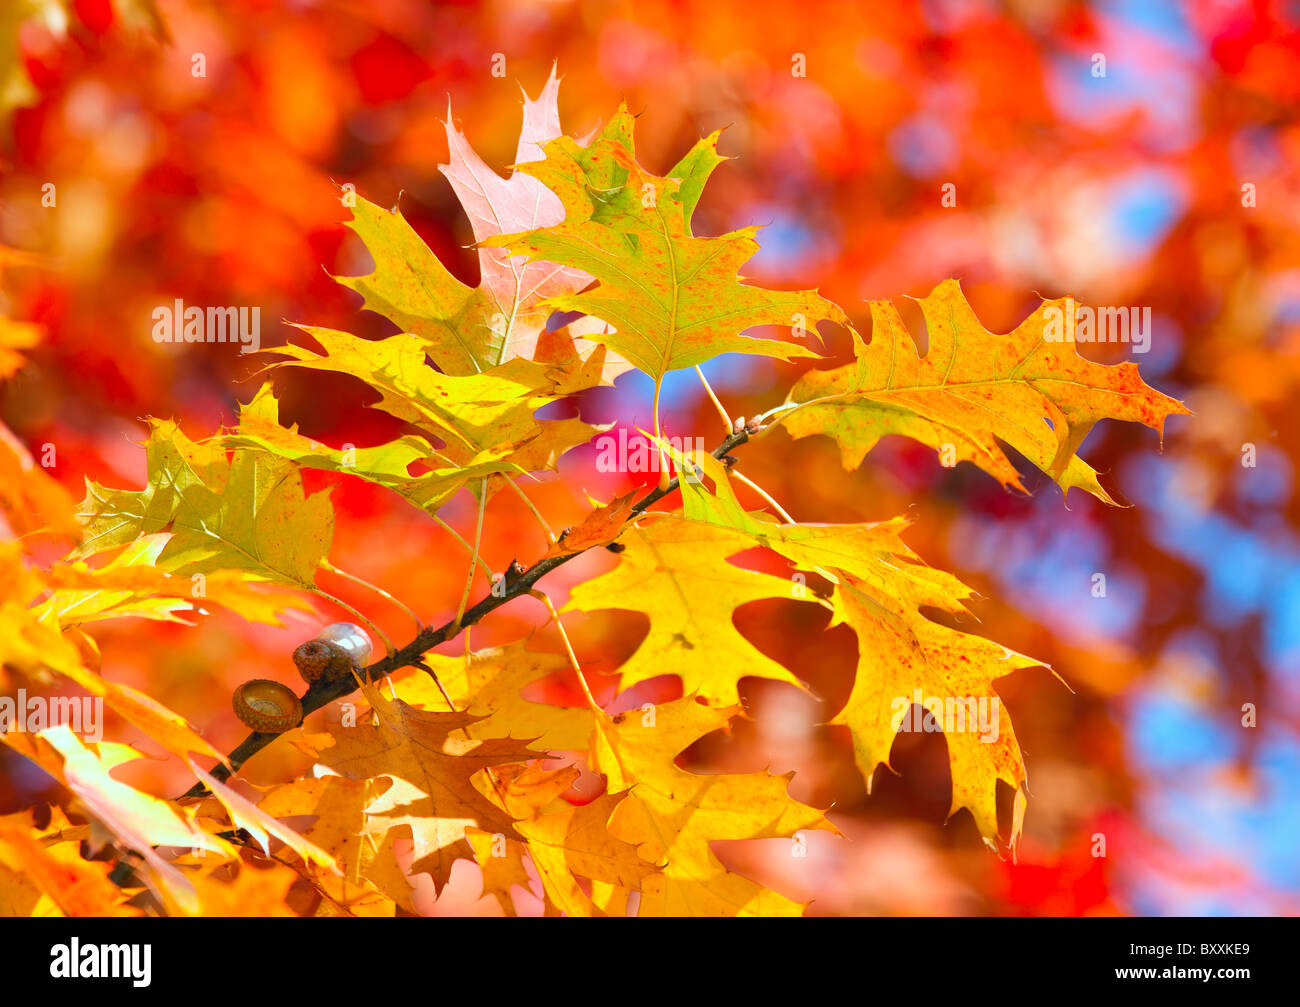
(313, 658)
(266, 706)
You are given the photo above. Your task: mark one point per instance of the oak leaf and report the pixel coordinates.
(489, 685)
(260, 825)
(481, 417)
(574, 841)
(131, 584)
(388, 465)
(676, 571)
(880, 589)
(873, 551)
(673, 815)
(673, 299)
(601, 526)
(564, 842)
(337, 805)
(41, 879)
(120, 814)
(432, 772)
(973, 388)
(903, 658)
(466, 330)
(162, 725)
(253, 892)
(249, 513)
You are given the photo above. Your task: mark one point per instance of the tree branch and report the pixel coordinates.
(322, 693)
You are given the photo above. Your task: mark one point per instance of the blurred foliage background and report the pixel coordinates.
(1123, 189)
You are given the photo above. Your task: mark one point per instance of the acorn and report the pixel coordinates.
(335, 653)
(267, 706)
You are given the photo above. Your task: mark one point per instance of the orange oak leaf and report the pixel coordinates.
(31, 869)
(599, 527)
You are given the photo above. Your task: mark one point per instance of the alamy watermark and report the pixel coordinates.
(75, 960)
(176, 323)
(29, 714)
(639, 454)
(949, 714)
(1083, 324)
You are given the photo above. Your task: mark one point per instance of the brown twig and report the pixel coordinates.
(322, 693)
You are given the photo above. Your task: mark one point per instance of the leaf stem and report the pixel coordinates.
(376, 589)
(438, 682)
(550, 534)
(663, 458)
(478, 542)
(793, 407)
(461, 539)
(727, 425)
(541, 596)
(764, 494)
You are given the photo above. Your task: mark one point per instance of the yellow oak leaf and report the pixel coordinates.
(541, 452)
(573, 362)
(873, 551)
(905, 658)
(337, 805)
(673, 815)
(522, 791)
(476, 414)
(253, 892)
(260, 825)
(126, 586)
(613, 900)
(973, 388)
(414, 290)
(131, 585)
(574, 841)
(677, 572)
(249, 513)
(162, 725)
(432, 764)
(881, 588)
(564, 841)
(527, 790)
(503, 866)
(489, 686)
(389, 464)
(20, 896)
